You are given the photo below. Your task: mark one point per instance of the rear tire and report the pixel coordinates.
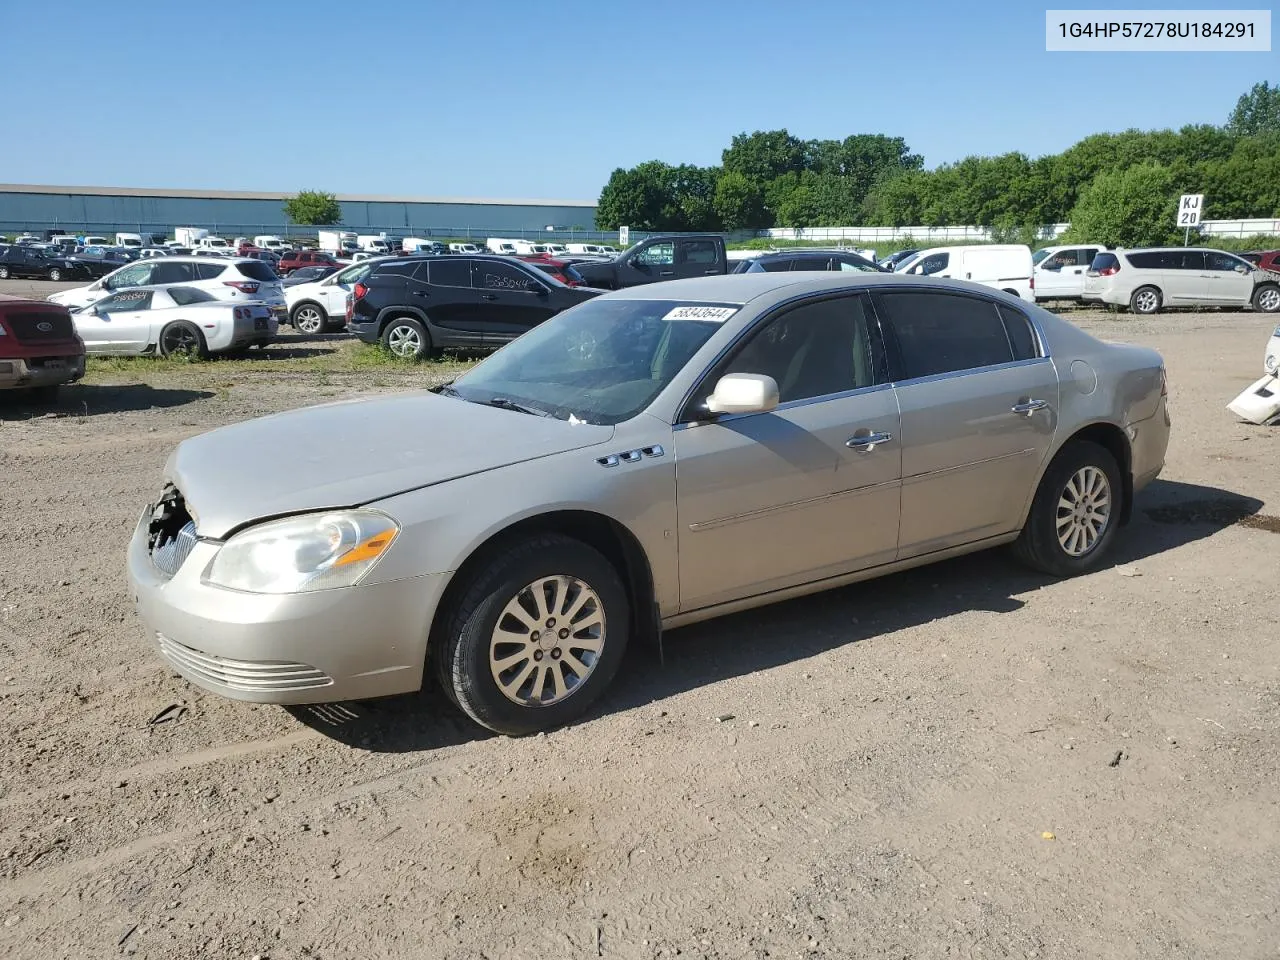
(1076, 511)
(522, 672)
(1146, 301)
(4, 273)
(182, 338)
(406, 338)
(1266, 299)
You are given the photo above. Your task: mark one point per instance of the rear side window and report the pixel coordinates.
(257, 270)
(209, 271)
(1022, 338)
(770, 266)
(450, 273)
(166, 271)
(405, 269)
(811, 263)
(699, 251)
(185, 296)
(944, 333)
(1104, 261)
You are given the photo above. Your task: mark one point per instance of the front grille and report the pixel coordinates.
(40, 325)
(169, 556)
(247, 676)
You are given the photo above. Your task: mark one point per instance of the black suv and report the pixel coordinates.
(25, 263)
(415, 305)
(807, 260)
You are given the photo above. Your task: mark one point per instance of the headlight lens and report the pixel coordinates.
(318, 551)
(1272, 363)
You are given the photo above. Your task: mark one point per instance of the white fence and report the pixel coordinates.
(922, 234)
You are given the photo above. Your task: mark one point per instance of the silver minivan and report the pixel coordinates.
(1149, 279)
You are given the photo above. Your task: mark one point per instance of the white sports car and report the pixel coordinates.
(172, 320)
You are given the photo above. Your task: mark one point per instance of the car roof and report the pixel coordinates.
(742, 288)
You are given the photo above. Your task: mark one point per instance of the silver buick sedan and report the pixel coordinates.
(648, 459)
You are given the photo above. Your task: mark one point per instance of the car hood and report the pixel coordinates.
(354, 452)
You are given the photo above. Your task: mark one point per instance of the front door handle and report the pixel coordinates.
(667, 273)
(867, 441)
(488, 296)
(1027, 407)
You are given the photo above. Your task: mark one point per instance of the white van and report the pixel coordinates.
(463, 248)
(528, 248)
(496, 245)
(1060, 271)
(592, 248)
(1005, 266)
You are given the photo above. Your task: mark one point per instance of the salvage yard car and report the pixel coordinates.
(1148, 280)
(172, 320)
(647, 459)
(21, 262)
(321, 305)
(659, 258)
(39, 348)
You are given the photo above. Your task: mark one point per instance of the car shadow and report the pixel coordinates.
(89, 400)
(1168, 515)
(279, 350)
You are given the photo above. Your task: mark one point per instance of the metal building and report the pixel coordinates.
(104, 210)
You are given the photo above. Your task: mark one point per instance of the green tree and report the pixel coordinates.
(739, 203)
(313, 208)
(764, 155)
(1257, 111)
(635, 197)
(1130, 208)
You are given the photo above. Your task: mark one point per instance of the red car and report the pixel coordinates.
(562, 270)
(1264, 259)
(294, 259)
(39, 348)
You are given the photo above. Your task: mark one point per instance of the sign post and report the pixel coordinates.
(624, 237)
(1189, 207)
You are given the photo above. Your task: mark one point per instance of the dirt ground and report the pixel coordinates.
(961, 761)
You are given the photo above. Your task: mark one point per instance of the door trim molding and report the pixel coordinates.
(783, 507)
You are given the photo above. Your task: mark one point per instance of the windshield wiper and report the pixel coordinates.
(506, 404)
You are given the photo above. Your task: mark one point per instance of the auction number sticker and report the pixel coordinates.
(714, 314)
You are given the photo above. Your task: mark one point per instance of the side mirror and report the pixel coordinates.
(1243, 270)
(744, 393)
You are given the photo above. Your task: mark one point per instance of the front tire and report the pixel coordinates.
(1146, 301)
(535, 637)
(407, 338)
(308, 318)
(1075, 513)
(1266, 299)
(182, 338)
(55, 274)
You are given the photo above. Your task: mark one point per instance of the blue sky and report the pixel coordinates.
(500, 98)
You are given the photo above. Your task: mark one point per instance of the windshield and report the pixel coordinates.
(603, 361)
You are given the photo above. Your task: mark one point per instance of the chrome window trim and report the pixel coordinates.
(971, 371)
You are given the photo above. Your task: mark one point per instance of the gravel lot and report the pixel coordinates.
(965, 760)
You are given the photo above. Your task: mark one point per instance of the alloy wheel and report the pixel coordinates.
(404, 341)
(1146, 301)
(1269, 300)
(1084, 510)
(547, 641)
(180, 340)
(308, 320)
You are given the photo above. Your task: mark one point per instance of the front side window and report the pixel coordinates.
(657, 255)
(135, 276)
(1216, 260)
(811, 263)
(811, 350)
(856, 265)
(933, 263)
(491, 275)
(128, 300)
(602, 361)
(940, 333)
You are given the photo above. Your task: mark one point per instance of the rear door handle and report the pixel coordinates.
(1027, 407)
(421, 293)
(488, 296)
(667, 273)
(867, 441)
